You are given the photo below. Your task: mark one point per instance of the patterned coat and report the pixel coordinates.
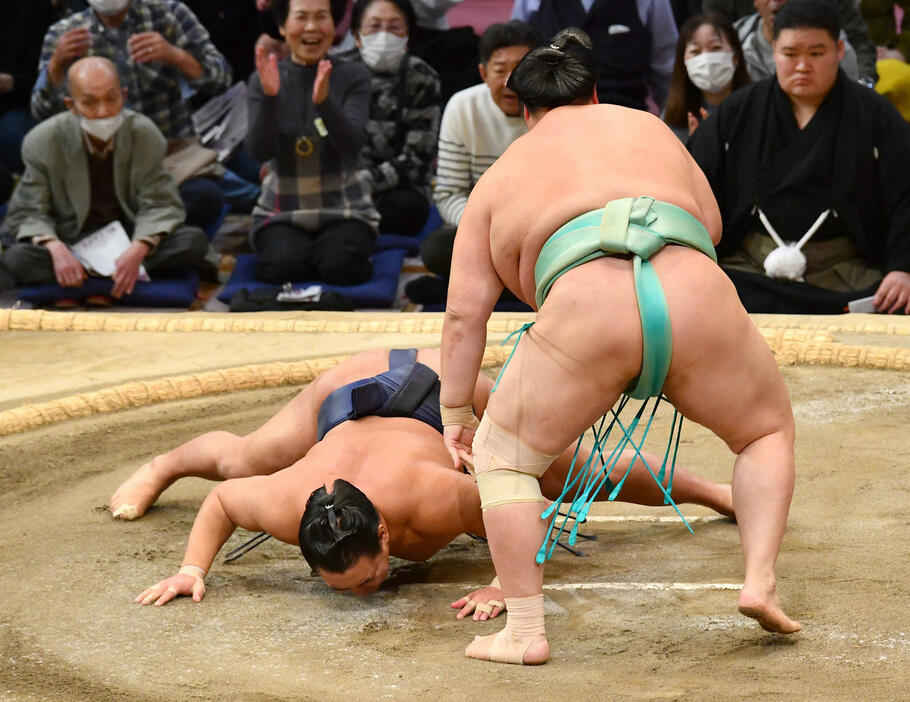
(403, 127)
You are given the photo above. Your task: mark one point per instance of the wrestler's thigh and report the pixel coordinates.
(723, 375)
(287, 436)
(573, 364)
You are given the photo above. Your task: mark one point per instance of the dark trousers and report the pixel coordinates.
(338, 253)
(28, 264)
(14, 125)
(403, 211)
(761, 294)
(203, 200)
(436, 250)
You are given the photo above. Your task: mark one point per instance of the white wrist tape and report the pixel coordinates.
(195, 571)
(463, 416)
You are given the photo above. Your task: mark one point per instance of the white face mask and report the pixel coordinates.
(108, 8)
(102, 129)
(383, 51)
(711, 71)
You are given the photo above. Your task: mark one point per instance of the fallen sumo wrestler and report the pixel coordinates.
(369, 477)
(612, 244)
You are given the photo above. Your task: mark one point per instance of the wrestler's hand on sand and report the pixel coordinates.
(458, 440)
(485, 603)
(166, 590)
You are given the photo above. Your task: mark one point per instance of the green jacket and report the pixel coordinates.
(53, 197)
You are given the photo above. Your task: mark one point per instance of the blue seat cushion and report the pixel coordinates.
(378, 291)
(173, 288)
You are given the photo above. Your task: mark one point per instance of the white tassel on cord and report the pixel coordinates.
(787, 260)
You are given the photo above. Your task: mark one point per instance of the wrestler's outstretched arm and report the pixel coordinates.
(251, 503)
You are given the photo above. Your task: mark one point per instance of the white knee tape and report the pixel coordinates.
(502, 487)
(505, 468)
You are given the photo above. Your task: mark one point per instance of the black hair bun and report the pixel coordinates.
(571, 38)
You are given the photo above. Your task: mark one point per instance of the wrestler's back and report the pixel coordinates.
(402, 466)
(576, 159)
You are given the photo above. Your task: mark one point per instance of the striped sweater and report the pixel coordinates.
(474, 132)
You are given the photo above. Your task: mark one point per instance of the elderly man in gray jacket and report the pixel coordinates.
(85, 168)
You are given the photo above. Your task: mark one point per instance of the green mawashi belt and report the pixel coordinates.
(639, 226)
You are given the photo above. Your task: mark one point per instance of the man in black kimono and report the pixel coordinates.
(810, 168)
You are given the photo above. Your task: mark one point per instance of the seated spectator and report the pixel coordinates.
(404, 115)
(22, 27)
(894, 84)
(891, 40)
(308, 118)
(478, 124)
(709, 66)
(810, 157)
(158, 47)
(756, 31)
(851, 20)
(6, 185)
(451, 51)
(634, 44)
(87, 167)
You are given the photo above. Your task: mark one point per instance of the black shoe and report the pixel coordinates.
(427, 290)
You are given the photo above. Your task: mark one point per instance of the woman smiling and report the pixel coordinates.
(308, 119)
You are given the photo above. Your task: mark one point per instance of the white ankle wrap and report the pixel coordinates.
(524, 624)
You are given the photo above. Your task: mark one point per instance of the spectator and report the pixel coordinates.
(884, 30)
(809, 150)
(158, 47)
(404, 115)
(850, 18)
(85, 168)
(6, 186)
(308, 119)
(633, 44)
(22, 27)
(478, 124)
(451, 51)
(756, 32)
(709, 66)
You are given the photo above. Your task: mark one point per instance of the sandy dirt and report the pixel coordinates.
(268, 630)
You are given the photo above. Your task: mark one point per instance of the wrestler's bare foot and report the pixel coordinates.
(136, 495)
(536, 653)
(763, 606)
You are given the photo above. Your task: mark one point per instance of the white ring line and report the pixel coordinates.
(655, 518)
(615, 586)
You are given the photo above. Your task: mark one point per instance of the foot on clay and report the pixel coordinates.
(137, 494)
(503, 648)
(766, 610)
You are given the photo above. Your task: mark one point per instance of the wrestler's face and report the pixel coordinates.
(806, 61)
(367, 573)
(495, 73)
(362, 578)
(308, 30)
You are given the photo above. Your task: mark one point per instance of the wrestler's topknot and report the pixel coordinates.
(338, 528)
(562, 72)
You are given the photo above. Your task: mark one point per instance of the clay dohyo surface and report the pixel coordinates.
(268, 630)
(657, 617)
